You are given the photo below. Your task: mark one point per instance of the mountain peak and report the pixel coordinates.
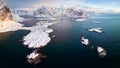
(5, 13)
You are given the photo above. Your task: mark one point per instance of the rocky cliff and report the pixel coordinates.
(5, 13)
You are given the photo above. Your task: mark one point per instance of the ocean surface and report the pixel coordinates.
(65, 50)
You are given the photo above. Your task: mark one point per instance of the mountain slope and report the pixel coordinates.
(5, 13)
(8, 20)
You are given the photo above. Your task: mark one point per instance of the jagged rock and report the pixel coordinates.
(9, 21)
(5, 13)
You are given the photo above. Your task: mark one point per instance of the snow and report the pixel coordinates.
(98, 30)
(33, 55)
(24, 11)
(53, 36)
(49, 30)
(39, 35)
(2, 4)
(84, 41)
(56, 13)
(17, 18)
(9, 26)
(36, 39)
(100, 49)
(80, 19)
(43, 13)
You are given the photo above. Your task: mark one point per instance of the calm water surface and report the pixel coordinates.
(65, 50)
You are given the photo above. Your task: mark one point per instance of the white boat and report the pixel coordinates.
(101, 51)
(84, 40)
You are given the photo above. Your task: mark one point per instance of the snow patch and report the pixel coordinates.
(84, 40)
(33, 55)
(36, 39)
(39, 36)
(101, 51)
(17, 18)
(98, 30)
(80, 19)
(9, 26)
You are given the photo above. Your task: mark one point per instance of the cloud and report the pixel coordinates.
(36, 3)
(108, 4)
(116, 10)
(56, 3)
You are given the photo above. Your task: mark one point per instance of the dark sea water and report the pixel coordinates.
(65, 50)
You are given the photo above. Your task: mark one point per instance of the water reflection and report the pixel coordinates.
(5, 35)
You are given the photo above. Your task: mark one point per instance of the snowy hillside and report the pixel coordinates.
(9, 26)
(23, 12)
(17, 17)
(8, 20)
(5, 13)
(43, 14)
(52, 12)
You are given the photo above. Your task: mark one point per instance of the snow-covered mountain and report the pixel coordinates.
(23, 12)
(52, 13)
(8, 20)
(93, 11)
(5, 13)
(43, 13)
(17, 17)
(55, 13)
(73, 12)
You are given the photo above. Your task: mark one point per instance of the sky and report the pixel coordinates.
(109, 4)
